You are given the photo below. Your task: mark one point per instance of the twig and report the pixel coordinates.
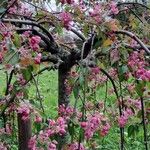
(38, 92)
(133, 3)
(120, 111)
(8, 9)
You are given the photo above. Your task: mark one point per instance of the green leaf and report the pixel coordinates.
(27, 73)
(132, 129)
(122, 70)
(17, 40)
(139, 88)
(76, 91)
(12, 57)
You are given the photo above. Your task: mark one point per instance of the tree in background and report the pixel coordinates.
(107, 43)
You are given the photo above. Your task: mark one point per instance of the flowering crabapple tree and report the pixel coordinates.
(107, 48)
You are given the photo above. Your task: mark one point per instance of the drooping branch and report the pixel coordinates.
(133, 36)
(32, 23)
(133, 3)
(120, 109)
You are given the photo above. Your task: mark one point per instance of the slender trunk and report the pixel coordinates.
(63, 98)
(24, 133)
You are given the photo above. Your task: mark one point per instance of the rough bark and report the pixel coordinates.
(24, 133)
(63, 97)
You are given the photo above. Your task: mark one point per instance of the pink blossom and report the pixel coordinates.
(21, 79)
(51, 146)
(34, 42)
(37, 59)
(13, 10)
(38, 119)
(105, 129)
(133, 43)
(20, 95)
(32, 143)
(95, 70)
(114, 8)
(66, 19)
(83, 124)
(27, 34)
(3, 147)
(92, 125)
(57, 127)
(137, 104)
(122, 121)
(75, 146)
(24, 110)
(96, 13)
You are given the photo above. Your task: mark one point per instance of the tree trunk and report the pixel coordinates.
(24, 133)
(63, 98)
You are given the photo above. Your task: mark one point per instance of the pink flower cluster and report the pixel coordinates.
(66, 19)
(133, 103)
(57, 127)
(37, 59)
(143, 74)
(75, 146)
(96, 122)
(34, 42)
(137, 64)
(123, 119)
(65, 112)
(105, 129)
(21, 79)
(32, 143)
(21, 9)
(52, 145)
(113, 8)
(54, 128)
(96, 13)
(24, 109)
(95, 77)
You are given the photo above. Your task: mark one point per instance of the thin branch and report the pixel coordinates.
(133, 3)
(120, 111)
(9, 81)
(133, 36)
(78, 34)
(6, 11)
(32, 23)
(136, 15)
(38, 92)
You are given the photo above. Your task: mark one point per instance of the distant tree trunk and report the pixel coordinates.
(24, 133)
